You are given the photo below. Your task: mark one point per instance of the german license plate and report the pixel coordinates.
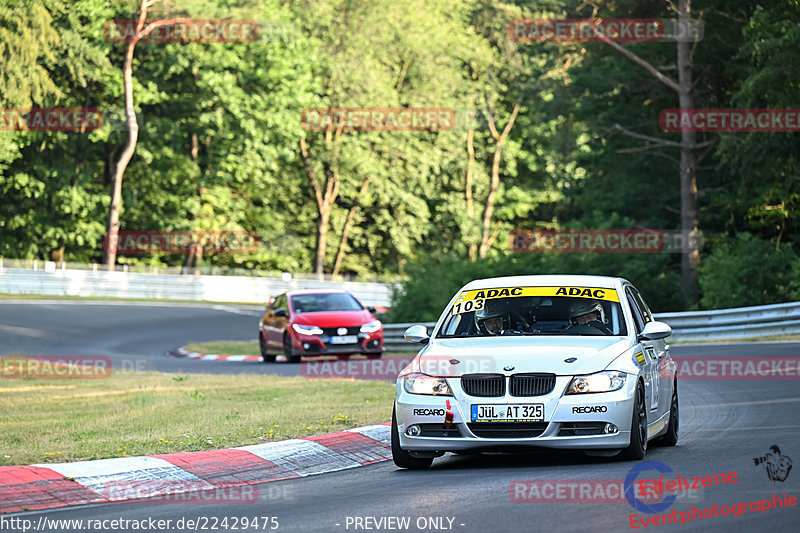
(531, 412)
(344, 339)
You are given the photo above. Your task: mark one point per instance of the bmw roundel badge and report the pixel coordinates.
(508, 368)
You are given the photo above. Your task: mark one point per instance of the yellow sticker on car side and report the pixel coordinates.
(595, 293)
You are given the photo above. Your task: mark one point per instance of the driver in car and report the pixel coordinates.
(491, 318)
(588, 314)
(495, 318)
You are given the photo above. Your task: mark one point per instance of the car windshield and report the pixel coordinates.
(516, 311)
(331, 301)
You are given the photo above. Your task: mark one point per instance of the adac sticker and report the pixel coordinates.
(638, 359)
(597, 293)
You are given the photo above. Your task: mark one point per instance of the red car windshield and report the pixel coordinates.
(314, 303)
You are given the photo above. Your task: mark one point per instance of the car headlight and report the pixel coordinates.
(307, 330)
(371, 327)
(601, 382)
(425, 384)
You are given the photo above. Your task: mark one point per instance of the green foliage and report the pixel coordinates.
(433, 282)
(745, 270)
(220, 130)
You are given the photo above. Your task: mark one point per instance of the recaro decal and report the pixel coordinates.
(589, 409)
(428, 412)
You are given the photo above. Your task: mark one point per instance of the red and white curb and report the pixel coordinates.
(181, 352)
(46, 486)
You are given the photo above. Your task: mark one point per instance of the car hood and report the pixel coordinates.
(454, 357)
(333, 319)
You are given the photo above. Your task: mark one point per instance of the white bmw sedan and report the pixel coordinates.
(573, 362)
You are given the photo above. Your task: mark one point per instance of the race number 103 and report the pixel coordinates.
(469, 305)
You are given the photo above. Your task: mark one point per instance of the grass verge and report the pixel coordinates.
(225, 347)
(249, 348)
(138, 413)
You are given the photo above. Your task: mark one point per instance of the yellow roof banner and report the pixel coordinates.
(596, 293)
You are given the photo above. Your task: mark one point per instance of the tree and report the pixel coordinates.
(50, 181)
(378, 55)
(112, 228)
(688, 146)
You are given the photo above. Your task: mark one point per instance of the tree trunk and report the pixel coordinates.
(322, 242)
(194, 255)
(489, 207)
(486, 238)
(112, 226)
(326, 200)
(690, 256)
(473, 247)
(57, 255)
(346, 228)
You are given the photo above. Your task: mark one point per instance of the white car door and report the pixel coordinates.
(660, 348)
(648, 361)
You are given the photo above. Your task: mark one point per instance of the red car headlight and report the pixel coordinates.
(307, 330)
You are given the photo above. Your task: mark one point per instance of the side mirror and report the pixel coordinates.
(281, 312)
(655, 330)
(371, 309)
(417, 334)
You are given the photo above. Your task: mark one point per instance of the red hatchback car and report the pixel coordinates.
(318, 322)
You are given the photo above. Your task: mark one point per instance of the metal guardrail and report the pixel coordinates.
(737, 323)
(205, 270)
(393, 340)
(101, 283)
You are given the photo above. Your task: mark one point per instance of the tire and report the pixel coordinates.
(638, 446)
(288, 351)
(670, 438)
(267, 358)
(402, 458)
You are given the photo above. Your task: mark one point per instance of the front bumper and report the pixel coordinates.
(310, 345)
(566, 424)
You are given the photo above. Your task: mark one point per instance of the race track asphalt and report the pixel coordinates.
(724, 426)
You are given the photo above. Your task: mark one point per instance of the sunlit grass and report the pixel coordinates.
(151, 413)
(225, 347)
